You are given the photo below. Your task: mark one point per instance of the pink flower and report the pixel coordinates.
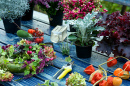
(100, 6)
(30, 47)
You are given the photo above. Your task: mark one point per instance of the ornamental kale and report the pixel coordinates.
(116, 35)
(12, 9)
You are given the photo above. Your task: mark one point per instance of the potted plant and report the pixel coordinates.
(29, 13)
(84, 35)
(75, 9)
(54, 10)
(11, 11)
(26, 57)
(75, 79)
(116, 36)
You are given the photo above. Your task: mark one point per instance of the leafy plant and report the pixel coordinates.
(68, 59)
(84, 35)
(75, 79)
(30, 57)
(65, 49)
(12, 9)
(47, 83)
(116, 37)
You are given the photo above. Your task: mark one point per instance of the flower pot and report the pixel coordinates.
(72, 29)
(83, 51)
(28, 14)
(11, 27)
(56, 19)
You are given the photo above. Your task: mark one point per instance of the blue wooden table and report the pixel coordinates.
(79, 64)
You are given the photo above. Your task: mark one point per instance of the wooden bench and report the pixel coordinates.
(79, 64)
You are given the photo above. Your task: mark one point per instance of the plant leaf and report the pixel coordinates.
(33, 72)
(35, 57)
(72, 38)
(47, 82)
(68, 59)
(3, 53)
(26, 72)
(54, 84)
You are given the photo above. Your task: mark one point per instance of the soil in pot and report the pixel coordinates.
(11, 27)
(29, 13)
(83, 51)
(56, 19)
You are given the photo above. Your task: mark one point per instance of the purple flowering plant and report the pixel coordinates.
(26, 57)
(51, 6)
(35, 2)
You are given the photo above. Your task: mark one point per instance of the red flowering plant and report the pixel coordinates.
(116, 36)
(75, 9)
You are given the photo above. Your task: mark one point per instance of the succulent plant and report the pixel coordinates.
(75, 79)
(5, 76)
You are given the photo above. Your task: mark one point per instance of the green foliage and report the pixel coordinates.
(75, 79)
(11, 50)
(65, 49)
(68, 59)
(47, 83)
(84, 29)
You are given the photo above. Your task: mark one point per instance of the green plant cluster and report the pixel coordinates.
(84, 35)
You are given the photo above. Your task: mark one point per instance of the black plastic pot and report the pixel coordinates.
(56, 19)
(72, 29)
(11, 27)
(28, 14)
(84, 52)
